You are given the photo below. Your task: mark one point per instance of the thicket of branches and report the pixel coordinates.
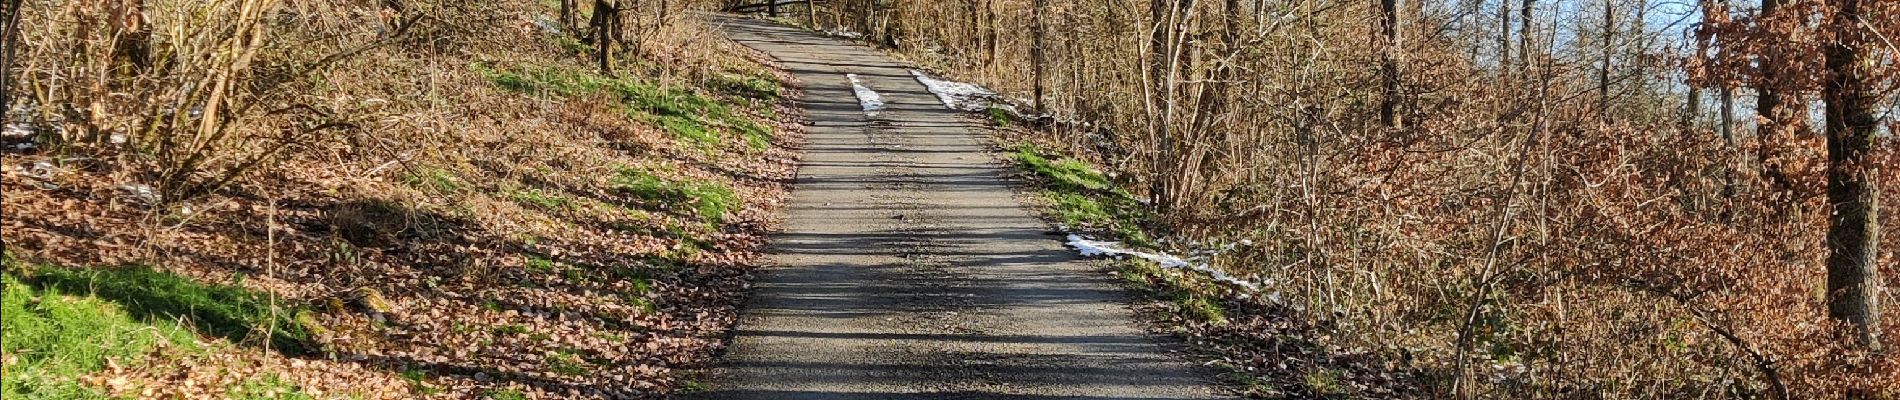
(1518, 198)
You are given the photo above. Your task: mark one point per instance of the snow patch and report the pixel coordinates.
(844, 32)
(1093, 248)
(17, 130)
(959, 95)
(868, 98)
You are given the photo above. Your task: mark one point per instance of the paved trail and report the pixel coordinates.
(908, 270)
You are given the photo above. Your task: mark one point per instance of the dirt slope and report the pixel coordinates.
(908, 268)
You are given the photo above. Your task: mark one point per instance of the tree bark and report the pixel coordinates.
(1524, 34)
(1389, 30)
(1159, 95)
(9, 41)
(606, 26)
(1853, 236)
(1609, 48)
(1767, 99)
(1504, 37)
(567, 14)
(1036, 52)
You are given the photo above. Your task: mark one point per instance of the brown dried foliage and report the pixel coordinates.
(1508, 243)
(416, 203)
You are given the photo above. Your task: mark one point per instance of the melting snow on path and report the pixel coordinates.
(958, 95)
(1091, 248)
(868, 98)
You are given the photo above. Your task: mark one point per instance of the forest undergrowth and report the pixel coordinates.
(265, 199)
(1485, 199)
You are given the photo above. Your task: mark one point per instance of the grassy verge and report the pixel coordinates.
(1187, 304)
(59, 325)
(1082, 197)
(692, 116)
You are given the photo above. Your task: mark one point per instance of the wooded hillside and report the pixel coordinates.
(1513, 199)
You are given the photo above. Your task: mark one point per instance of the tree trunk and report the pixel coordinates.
(1524, 34)
(1609, 47)
(1159, 95)
(567, 14)
(605, 24)
(1853, 235)
(1036, 52)
(1767, 100)
(1389, 29)
(9, 41)
(1730, 151)
(1504, 37)
(771, 8)
(989, 34)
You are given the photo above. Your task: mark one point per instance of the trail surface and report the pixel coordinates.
(908, 269)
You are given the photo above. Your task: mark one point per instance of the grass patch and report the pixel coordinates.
(228, 311)
(747, 86)
(683, 112)
(537, 198)
(438, 180)
(58, 338)
(709, 201)
(510, 330)
(566, 362)
(694, 386)
(267, 387)
(505, 394)
(1082, 197)
(999, 116)
(1202, 308)
(419, 382)
(541, 264)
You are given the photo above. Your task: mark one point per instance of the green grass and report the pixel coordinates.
(537, 198)
(510, 330)
(566, 362)
(228, 311)
(709, 201)
(504, 394)
(59, 337)
(694, 386)
(683, 112)
(419, 382)
(540, 264)
(438, 180)
(267, 387)
(743, 85)
(999, 116)
(1202, 308)
(1082, 197)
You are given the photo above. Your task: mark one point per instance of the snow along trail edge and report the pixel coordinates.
(908, 268)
